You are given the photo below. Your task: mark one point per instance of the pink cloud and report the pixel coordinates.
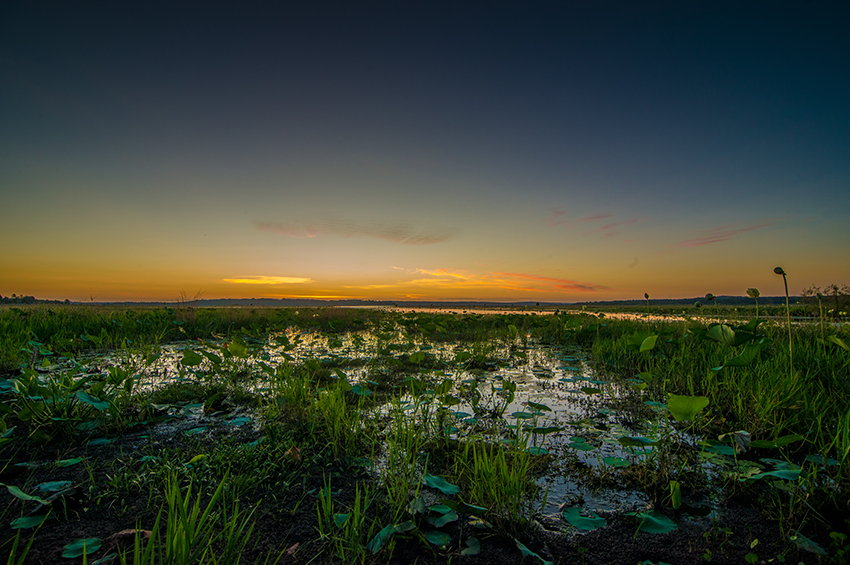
(396, 233)
(717, 235)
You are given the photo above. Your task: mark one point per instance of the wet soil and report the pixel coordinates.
(287, 525)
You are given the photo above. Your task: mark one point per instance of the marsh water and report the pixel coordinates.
(561, 406)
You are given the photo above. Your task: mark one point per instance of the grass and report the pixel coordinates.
(290, 412)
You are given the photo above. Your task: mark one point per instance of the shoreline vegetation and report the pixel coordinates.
(259, 434)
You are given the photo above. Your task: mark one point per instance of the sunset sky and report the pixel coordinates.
(544, 151)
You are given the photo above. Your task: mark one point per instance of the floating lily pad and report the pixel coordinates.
(574, 518)
(616, 461)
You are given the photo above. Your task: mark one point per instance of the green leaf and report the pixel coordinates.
(590, 390)
(100, 441)
(528, 553)
(213, 358)
(238, 349)
(440, 484)
(54, 486)
(534, 450)
(417, 506)
(473, 546)
(444, 387)
(439, 539)
(649, 343)
(380, 540)
(645, 376)
(80, 547)
(18, 493)
(361, 390)
(91, 400)
(747, 356)
(27, 522)
(190, 358)
(197, 458)
(838, 341)
(581, 445)
(722, 334)
(805, 543)
(653, 522)
(541, 407)
(69, 462)
(675, 495)
(417, 357)
(575, 519)
(616, 461)
(340, 519)
(464, 508)
(545, 430)
(685, 407)
(447, 518)
(784, 474)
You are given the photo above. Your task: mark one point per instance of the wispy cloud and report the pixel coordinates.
(262, 279)
(556, 217)
(399, 233)
(555, 284)
(464, 280)
(717, 235)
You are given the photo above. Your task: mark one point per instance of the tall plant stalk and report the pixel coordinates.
(781, 271)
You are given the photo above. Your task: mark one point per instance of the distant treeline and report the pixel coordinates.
(315, 303)
(15, 299)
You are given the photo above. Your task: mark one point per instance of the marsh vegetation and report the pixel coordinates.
(273, 435)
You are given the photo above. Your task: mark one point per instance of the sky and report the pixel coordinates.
(493, 151)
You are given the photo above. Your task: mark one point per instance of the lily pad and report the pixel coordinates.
(575, 519)
(685, 407)
(653, 522)
(473, 546)
(81, 546)
(440, 539)
(440, 484)
(27, 522)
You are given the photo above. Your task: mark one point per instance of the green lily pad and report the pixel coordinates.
(27, 522)
(653, 522)
(616, 461)
(473, 546)
(464, 508)
(575, 519)
(440, 539)
(528, 553)
(81, 546)
(440, 484)
(447, 518)
(340, 519)
(685, 407)
(380, 540)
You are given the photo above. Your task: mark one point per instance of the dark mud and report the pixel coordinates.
(286, 522)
